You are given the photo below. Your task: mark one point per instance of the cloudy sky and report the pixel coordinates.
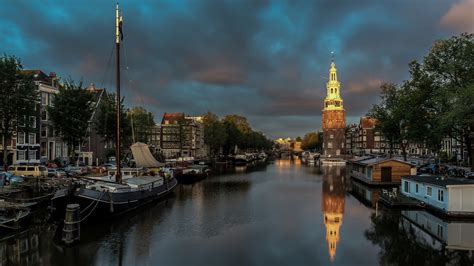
(266, 60)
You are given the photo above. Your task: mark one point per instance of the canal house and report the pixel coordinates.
(380, 171)
(451, 196)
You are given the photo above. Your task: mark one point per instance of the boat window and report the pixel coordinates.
(428, 191)
(21, 168)
(30, 169)
(416, 188)
(440, 195)
(407, 186)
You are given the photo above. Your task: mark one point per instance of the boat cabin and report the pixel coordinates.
(380, 171)
(452, 196)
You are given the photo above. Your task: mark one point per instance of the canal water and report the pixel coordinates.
(282, 213)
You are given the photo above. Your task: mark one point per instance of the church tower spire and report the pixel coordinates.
(333, 99)
(334, 118)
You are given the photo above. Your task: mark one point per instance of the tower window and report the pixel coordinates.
(335, 90)
(331, 90)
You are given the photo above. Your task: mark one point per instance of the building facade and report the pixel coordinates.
(333, 117)
(182, 136)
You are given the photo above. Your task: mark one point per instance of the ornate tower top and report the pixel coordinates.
(333, 99)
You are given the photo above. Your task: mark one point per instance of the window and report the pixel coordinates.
(20, 156)
(44, 98)
(440, 195)
(416, 188)
(407, 186)
(32, 138)
(44, 115)
(331, 136)
(21, 137)
(329, 145)
(332, 91)
(364, 132)
(32, 155)
(58, 150)
(44, 131)
(428, 191)
(440, 231)
(335, 91)
(32, 122)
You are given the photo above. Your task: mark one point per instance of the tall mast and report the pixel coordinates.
(118, 21)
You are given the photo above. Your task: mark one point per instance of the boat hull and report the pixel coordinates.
(191, 177)
(103, 204)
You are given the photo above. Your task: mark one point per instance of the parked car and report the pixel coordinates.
(75, 170)
(28, 170)
(56, 172)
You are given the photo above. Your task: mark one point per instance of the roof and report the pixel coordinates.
(367, 122)
(439, 180)
(172, 117)
(377, 160)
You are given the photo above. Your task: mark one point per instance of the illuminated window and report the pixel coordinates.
(428, 191)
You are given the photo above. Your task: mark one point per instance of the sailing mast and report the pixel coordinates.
(118, 26)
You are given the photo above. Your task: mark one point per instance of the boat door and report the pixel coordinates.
(386, 174)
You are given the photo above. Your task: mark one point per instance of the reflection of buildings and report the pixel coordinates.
(333, 205)
(440, 233)
(22, 249)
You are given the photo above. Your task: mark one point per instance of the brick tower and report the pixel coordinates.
(334, 117)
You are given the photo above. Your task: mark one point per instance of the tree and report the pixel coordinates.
(18, 101)
(141, 122)
(391, 117)
(312, 141)
(215, 135)
(106, 122)
(70, 113)
(299, 139)
(449, 66)
(240, 122)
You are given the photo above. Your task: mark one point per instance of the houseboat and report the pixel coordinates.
(450, 196)
(380, 171)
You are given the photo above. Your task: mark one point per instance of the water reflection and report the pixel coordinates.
(333, 199)
(419, 238)
(21, 248)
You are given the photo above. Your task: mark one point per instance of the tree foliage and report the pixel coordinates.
(435, 102)
(312, 141)
(230, 132)
(141, 122)
(106, 121)
(70, 113)
(18, 101)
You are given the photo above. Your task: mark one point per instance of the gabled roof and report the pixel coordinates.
(439, 180)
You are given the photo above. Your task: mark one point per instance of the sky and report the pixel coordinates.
(266, 60)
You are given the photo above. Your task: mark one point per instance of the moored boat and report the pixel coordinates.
(240, 159)
(192, 174)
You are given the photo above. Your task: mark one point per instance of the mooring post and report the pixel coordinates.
(72, 224)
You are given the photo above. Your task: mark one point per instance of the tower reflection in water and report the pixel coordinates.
(334, 189)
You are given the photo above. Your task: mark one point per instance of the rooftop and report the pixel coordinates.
(367, 122)
(439, 180)
(376, 160)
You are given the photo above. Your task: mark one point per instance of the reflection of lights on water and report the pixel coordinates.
(240, 169)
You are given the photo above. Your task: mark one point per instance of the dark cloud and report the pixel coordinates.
(267, 60)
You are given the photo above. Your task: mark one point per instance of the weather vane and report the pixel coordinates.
(332, 56)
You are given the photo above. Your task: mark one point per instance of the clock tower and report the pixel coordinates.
(334, 117)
